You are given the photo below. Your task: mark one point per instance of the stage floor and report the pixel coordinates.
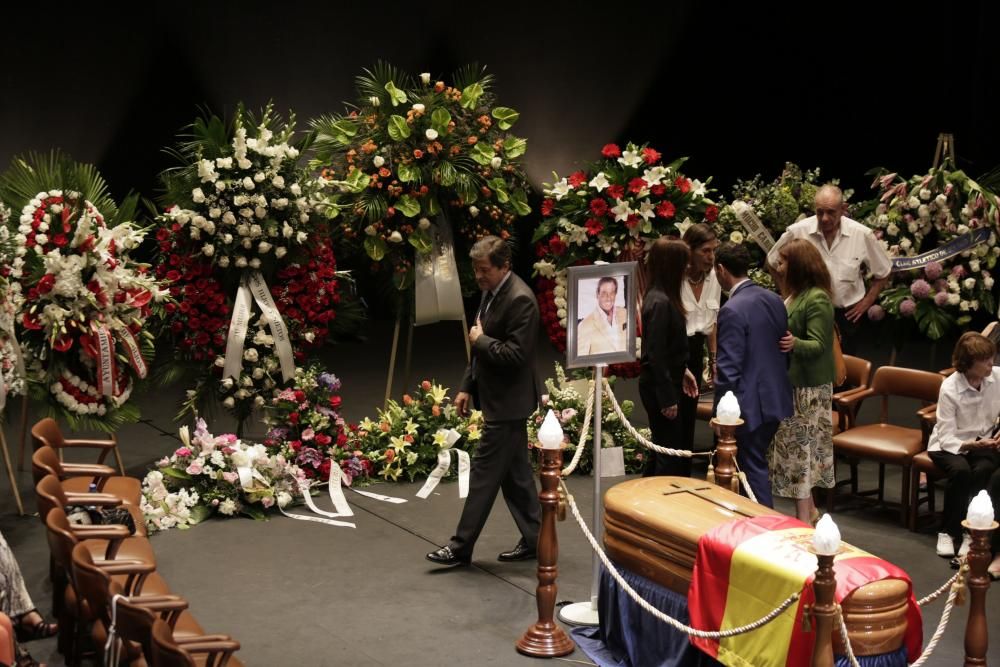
(295, 592)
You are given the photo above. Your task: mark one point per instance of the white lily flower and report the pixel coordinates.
(560, 189)
(630, 158)
(599, 182)
(621, 210)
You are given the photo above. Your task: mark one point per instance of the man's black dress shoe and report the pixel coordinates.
(521, 552)
(445, 556)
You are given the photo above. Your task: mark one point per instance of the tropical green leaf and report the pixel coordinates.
(373, 204)
(253, 511)
(482, 153)
(470, 96)
(372, 83)
(408, 173)
(176, 473)
(520, 201)
(398, 129)
(356, 181)
(402, 279)
(199, 513)
(408, 206)
(440, 119)
(446, 174)
(933, 321)
(514, 147)
(396, 96)
(432, 206)
(499, 187)
(420, 240)
(506, 117)
(375, 247)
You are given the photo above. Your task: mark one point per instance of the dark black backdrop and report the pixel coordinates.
(738, 87)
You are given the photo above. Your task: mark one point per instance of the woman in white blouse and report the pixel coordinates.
(964, 444)
(700, 294)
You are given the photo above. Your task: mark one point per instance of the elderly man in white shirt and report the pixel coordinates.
(964, 442)
(846, 246)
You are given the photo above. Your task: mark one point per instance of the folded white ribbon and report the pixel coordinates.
(254, 288)
(451, 436)
(106, 362)
(437, 291)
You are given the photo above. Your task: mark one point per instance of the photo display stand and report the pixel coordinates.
(600, 330)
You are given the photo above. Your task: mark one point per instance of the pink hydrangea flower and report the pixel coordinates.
(920, 288)
(907, 307)
(876, 313)
(933, 270)
(940, 299)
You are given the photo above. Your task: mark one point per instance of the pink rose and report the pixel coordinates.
(230, 477)
(308, 434)
(194, 468)
(182, 451)
(267, 501)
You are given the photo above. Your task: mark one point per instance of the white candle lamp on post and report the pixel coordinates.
(726, 420)
(980, 521)
(550, 435)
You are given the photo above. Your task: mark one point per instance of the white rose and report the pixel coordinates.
(220, 361)
(736, 237)
(254, 263)
(248, 183)
(278, 181)
(228, 218)
(259, 177)
(241, 262)
(473, 211)
(195, 233)
(974, 266)
(892, 229)
(41, 239)
(208, 250)
(925, 194)
(496, 162)
(242, 394)
(229, 402)
(214, 212)
(941, 201)
(260, 212)
(425, 78)
(250, 354)
(905, 244)
(378, 160)
(561, 313)
(223, 261)
(301, 237)
(264, 247)
(283, 499)
(969, 283)
(227, 383)
(424, 223)
(258, 374)
(912, 228)
(431, 134)
(924, 211)
(912, 202)
(295, 189)
(988, 282)
(953, 299)
(963, 305)
(197, 195)
(256, 231)
(220, 185)
(395, 237)
(259, 401)
(246, 243)
(227, 238)
(974, 304)
(309, 336)
(419, 108)
(374, 100)
(224, 162)
(280, 252)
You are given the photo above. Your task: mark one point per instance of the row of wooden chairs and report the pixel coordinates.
(103, 576)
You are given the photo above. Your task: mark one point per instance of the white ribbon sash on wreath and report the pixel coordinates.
(437, 292)
(105, 362)
(253, 288)
(752, 224)
(134, 352)
(444, 462)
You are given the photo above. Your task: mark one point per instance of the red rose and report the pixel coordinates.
(322, 439)
(341, 440)
(300, 395)
(577, 178)
(46, 283)
(658, 189)
(296, 445)
(611, 150)
(666, 209)
(60, 240)
(556, 246)
(390, 454)
(594, 227)
(293, 418)
(651, 156)
(683, 184)
(636, 185)
(324, 470)
(598, 206)
(712, 213)
(616, 191)
(547, 206)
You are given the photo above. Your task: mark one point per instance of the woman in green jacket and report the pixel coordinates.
(801, 454)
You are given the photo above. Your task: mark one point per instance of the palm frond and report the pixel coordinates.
(373, 205)
(34, 172)
(991, 180)
(469, 74)
(372, 82)
(126, 212)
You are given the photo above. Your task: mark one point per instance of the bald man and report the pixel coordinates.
(848, 248)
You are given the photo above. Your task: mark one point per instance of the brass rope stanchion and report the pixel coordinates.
(545, 639)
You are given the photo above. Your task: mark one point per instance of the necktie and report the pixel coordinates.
(485, 304)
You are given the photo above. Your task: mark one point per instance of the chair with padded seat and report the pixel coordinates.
(47, 432)
(77, 477)
(882, 442)
(49, 493)
(859, 373)
(167, 652)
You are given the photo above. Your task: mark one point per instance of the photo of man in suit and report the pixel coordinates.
(750, 363)
(501, 382)
(605, 329)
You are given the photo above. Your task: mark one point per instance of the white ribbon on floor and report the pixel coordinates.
(437, 292)
(378, 496)
(451, 436)
(336, 496)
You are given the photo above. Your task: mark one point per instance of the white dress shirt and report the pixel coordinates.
(853, 246)
(701, 314)
(965, 413)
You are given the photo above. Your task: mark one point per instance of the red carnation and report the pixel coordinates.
(632, 221)
(341, 439)
(616, 191)
(651, 156)
(556, 246)
(322, 439)
(598, 207)
(666, 209)
(293, 418)
(594, 227)
(300, 395)
(712, 213)
(683, 184)
(658, 189)
(611, 150)
(335, 402)
(577, 178)
(636, 185)
(547, 206)
(46, 283)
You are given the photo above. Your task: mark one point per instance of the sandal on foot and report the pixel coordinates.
(24, 659)
(40, 630)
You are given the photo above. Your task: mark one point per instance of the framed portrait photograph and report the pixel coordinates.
(600, 314)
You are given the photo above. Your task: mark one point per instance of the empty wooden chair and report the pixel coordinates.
(168, 653)
(859, 373)
(77, 477)
(47, 432)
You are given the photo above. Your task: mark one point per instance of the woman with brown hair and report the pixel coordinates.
(801, 454)
(701, 296)
(664, 376)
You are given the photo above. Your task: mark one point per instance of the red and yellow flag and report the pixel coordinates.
(747, 568)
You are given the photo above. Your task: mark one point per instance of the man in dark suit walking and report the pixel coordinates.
(751, 365)
(501, 382)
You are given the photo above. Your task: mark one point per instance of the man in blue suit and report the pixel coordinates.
(750, 364)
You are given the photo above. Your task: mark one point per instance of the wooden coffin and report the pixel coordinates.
(652, 527)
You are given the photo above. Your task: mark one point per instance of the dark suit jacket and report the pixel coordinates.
(502, 380)
(749, 362)
(664, 347)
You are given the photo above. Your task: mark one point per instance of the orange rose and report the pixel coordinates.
(439, 86)
(426, 385)
(407, 399)
(390, 454)
(472, 140)
(408, 438)
(417, 153)
(436, 410)
(384, 426)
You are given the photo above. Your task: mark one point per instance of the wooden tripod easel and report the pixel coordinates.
(945, 149)
(6, 454)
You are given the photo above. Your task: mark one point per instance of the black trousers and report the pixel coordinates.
(967, 475)
(688, 407)
(666, 433)
(501, 463)
(848, 331)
